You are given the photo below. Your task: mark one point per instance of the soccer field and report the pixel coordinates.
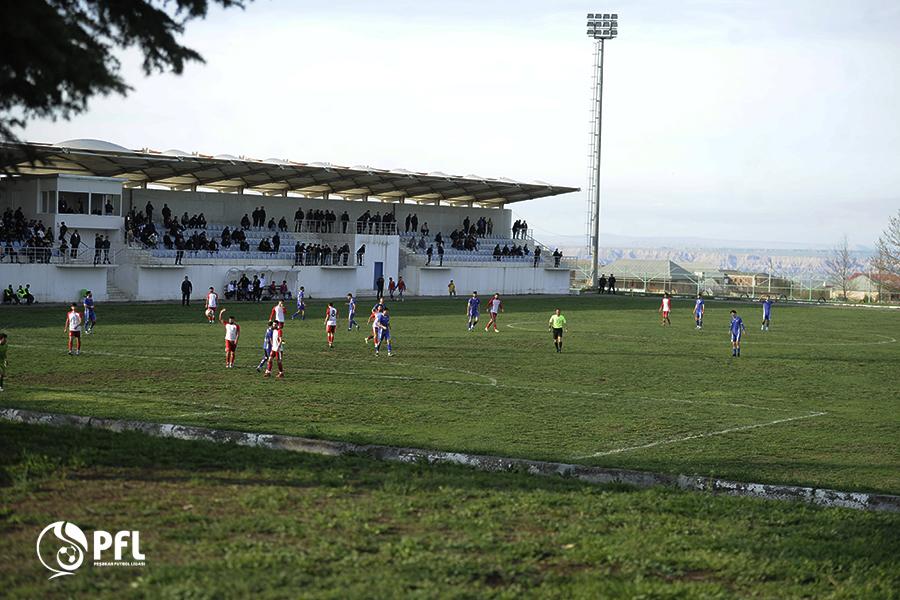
(814, 401)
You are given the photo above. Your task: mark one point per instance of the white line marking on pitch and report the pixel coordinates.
(701, 435)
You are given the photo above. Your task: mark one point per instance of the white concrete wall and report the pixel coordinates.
(486, 279)
(229, 208)
(50, 283)
(164, 283)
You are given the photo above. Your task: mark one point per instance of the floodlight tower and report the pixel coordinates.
(600, 27)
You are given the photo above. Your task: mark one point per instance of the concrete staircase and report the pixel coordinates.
(114, 294)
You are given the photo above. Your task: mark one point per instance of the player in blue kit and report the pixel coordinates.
(90, 319)
(383, 323)
(351, 313)
(699, 309)
(267, 346)
(737, 328)
(767, 313)
(472, 310)
(301, 304)
(373, 318)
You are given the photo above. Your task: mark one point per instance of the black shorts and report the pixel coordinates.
(557, 332)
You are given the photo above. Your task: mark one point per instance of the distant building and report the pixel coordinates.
(651, 276)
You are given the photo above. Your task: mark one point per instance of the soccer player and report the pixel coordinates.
(3, 364)
(212, 302)
(665, 308)
(373, 318)
(331, 316)
(267, 346)
(90, 319)
(699, 309)
(301, 304)
(275, 354)
(401, 287)
(232, 333)
(557, 322)
(495, 307)
(73, 328)
(767, 313)
(737, 328)
(383, 323)
(472, 310)
(351, 313)
(277, 313)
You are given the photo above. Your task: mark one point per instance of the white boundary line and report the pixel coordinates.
(701, 435)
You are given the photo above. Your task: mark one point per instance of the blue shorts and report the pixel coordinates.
(698, 314)
(384, 334)
(767, 316)
(474, 314)
(301, 306)
(89, 315)
(735, 337)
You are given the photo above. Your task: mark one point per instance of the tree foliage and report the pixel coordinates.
(887, 257)
(57, 54)
(840, 267)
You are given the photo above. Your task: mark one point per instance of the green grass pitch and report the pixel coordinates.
(814, 401)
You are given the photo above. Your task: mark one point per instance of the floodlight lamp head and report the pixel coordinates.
(602, 26)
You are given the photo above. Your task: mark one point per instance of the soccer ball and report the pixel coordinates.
(210, 313)
(67, 555)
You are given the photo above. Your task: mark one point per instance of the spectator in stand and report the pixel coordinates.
(166, 213)
(298, 253)
(148, 210)
(497, 253)
(408, 222)
(98, 248)
(557, 255)
(186, 288)
(490, 226)
(276, 242)
(360, 254)
(74, 243)
(415, 223)
(425, 229)
(106, 246)
(523, 230)
(537, 256)
(345, 220)
(440, 254)
(298, 219)
(429, 253)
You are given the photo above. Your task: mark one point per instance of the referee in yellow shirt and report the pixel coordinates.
(557, 322)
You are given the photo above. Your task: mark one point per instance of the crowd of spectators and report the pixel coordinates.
(34, 241)
(520, 229)
(321, 254)
(19, 296)
(257, 289)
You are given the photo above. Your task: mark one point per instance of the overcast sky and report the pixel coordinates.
(762, 120)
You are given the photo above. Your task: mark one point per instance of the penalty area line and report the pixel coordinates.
(698, 436)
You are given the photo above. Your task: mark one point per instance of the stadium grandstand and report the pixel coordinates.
(131, 224)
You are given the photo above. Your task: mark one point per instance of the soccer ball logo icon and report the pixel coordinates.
(67, 547)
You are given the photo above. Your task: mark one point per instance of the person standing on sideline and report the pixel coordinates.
(3, 363)
(73, 328)
(186, 288)
(401, 287)
(451, 288)
(495, 307)
(612, 284)
(392, 287)
(601, 284)
(699, 309)
(737, 328)
(767, 313)
(665, 307)
(351, 313)
(232, 334)
(379, 286)
(331, 317)
(90, 319)
(557, 323)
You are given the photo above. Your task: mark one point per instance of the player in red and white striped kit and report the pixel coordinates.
(275, 355)
(73, 328)
(212, 302)
(232, 334)
(331, 317)
(277, 314)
